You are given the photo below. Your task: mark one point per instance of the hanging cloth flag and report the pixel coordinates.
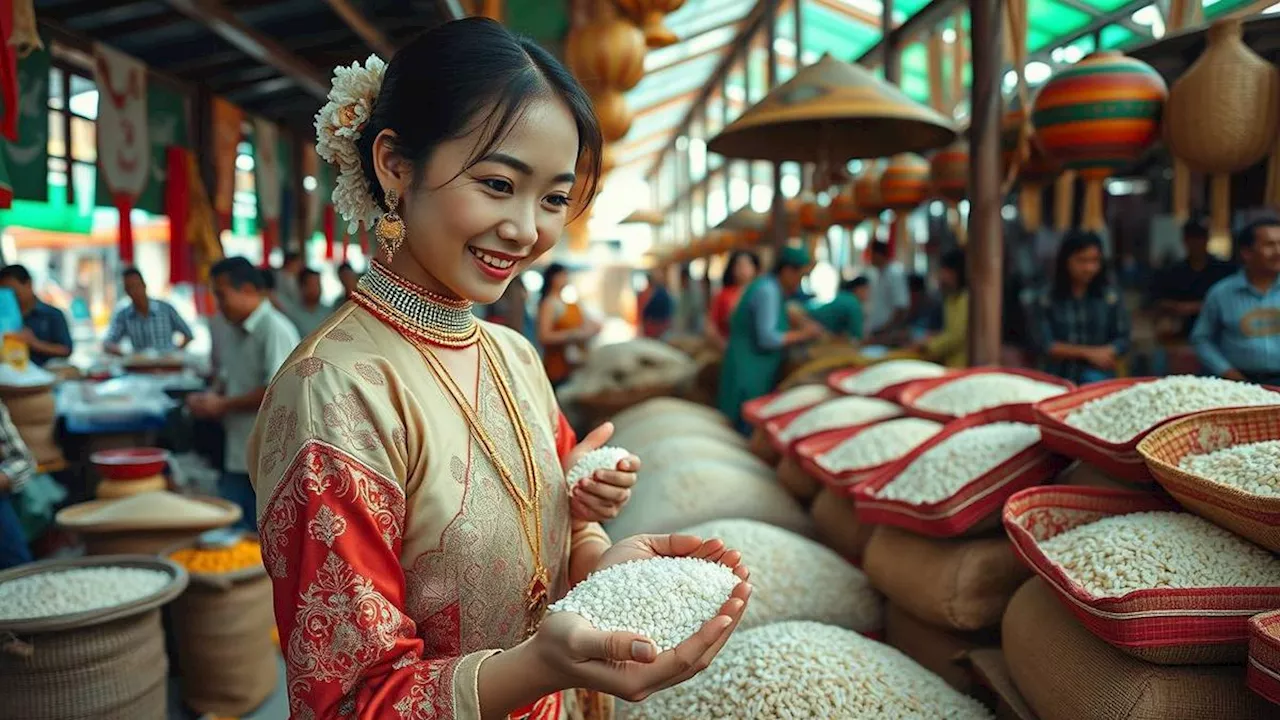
(226, 139)
(177, 202)
(266, 139)
(313, 199)
(124, 150)
(8, 74)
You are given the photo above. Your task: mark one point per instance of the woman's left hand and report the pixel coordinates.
(602, 496)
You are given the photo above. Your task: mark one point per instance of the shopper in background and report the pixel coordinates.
(148, 323)
(1179, 290)
(845, 315)
(1079, 324)
(760, 331)
(45, 332)
(285, 282)
(1237, 334)
(949, 346)
(350, 279)
(17, 467)
(258, 341)
(742, 269)
(890, 295)
(563, 329)
(659, 307)
(309, 312)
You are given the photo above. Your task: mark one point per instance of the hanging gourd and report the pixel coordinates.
(613, 113)
(1222, 114)
(650, 14)
(949, 175)
(1097, 117)
(844, 210)
(606, 53)
(813, 217)
(903, 186)
(867, 189)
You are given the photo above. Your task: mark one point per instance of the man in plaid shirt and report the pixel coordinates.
(16, 468)
(149, 324)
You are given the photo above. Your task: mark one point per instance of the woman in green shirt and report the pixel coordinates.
(845, 314)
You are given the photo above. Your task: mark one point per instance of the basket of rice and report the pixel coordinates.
(885, 380)
(774, 404)
(1263, 673)
(1102, 423)
(808, 670)
(81, 639)
(843, 458)
(1223, 465)
(145, 522)
(966, 392)
(1159, 584)
(223, 623)
(839, 412)
(955, 482)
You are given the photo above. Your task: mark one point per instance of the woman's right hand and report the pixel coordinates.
(626, 665)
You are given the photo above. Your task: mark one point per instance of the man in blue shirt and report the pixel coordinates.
(46, 332)
(148, 323)
(1237, 335)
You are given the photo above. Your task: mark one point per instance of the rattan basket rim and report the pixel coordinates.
(177, 583)
(1166, 473)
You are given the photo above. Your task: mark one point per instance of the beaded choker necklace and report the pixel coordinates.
(414, 311)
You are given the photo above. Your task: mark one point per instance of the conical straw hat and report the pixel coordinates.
(832, 112)
(744, 218)
(644, 216)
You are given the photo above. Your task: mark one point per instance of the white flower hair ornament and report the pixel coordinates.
(338, 126)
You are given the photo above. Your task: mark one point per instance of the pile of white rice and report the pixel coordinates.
(873, 379)
(879, 444)
(77, 590)
(838, 413)
(1122, 415)
(1251, 467)
(800, 396)
(975, 393)
(944, 469)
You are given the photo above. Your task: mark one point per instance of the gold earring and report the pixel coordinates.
(389, 228)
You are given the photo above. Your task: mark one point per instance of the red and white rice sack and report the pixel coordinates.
(840, 412)
(956, 481)
(1159, 584)
(884, 379)
(767, 407)
(1102, 423)
(972, 391)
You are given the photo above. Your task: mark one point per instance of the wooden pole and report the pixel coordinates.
(779, 202)
(986, 242)
(892, 50)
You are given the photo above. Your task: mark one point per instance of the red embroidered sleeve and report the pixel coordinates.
(331, 534)
(566, 438)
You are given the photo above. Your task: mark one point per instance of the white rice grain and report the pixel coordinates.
(76, 590)
(892, 372)
(944, 469)
(879, 444)
(1252, 467)
(838, 413)
(605, 458)
(975, 393)
(1122, 415)
(801, 396)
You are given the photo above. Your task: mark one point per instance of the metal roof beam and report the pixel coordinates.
(1127, 23)
(929, 17)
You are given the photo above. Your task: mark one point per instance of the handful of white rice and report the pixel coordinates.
(605, 458)
(879, 444)
(1119, 554)
(873, 379)
(801, 396)
(944, 469)
(809, 670)
(1251, 467)
(838, 413)
(975, 393)
(664, 599)
(1122, 415)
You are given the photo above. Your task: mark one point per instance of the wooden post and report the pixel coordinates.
(779, 209)
(798, 8)
(892, 49)
(986, 242)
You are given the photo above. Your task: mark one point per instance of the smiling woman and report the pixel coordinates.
(408, 459)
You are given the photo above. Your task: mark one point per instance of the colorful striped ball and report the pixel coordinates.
(866, 190)
(905, 182)
(949, 171)
(1099, 115)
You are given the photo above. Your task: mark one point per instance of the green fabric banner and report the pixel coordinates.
(27, 160)
(166, 126)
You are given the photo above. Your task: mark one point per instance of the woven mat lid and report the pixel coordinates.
(833, 111)
(80, 517)
(177, 583)
(644, 216)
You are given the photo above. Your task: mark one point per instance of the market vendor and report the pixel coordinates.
(949, 346)
(1237, 335)
(759, 332)
(846, 313)
(148, 323)
(46, 332)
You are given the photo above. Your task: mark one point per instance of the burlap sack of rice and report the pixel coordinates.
(994, 684)
(665, 406)
(660, 427)
(761, 447)
(1082, 474)
(837, 526)
(1066, 673)
(959, 584)
(675, 450)
(698, 491)
(797, 481)
(937, 649)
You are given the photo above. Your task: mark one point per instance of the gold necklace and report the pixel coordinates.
(537, 593)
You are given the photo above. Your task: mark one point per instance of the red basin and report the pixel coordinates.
(130, 463)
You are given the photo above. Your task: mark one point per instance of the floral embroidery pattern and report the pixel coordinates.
(431, 695)
(339, 335)
(348, 415)
(326, 526)
(370, 374)
(281, 433)
(306, 367)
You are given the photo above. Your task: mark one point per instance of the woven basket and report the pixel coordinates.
(1256, 517)
(1263, 672)
(1167, 626)
(808, 453)
(1021, 412)
(752, 410)
(973, 509)
(106, 664)
(893, 393)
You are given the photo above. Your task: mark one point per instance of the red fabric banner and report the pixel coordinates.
(177, 203)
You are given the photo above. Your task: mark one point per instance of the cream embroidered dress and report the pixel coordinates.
(396, 552)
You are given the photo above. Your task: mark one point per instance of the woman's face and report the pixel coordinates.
(470, 233)
(947, 279)
(744, 271)
(1084, 265)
